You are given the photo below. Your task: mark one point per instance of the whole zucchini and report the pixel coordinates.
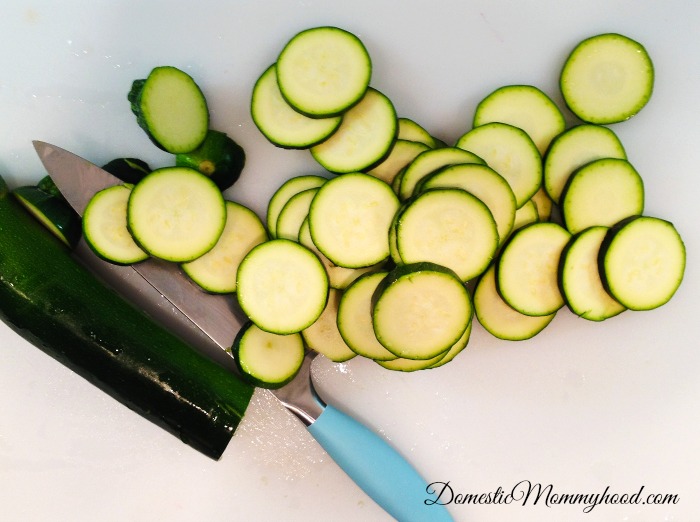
(56, 304)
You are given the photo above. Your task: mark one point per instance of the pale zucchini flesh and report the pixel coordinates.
(401, 154)
(323, 335)
(284, 192)
(293, 214)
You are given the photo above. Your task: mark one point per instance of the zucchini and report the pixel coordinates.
(642, 262)
(364, 137)
(52, 210)
(129, 170)
(411, 131)
(176, 213)
(108, 341)
(401, 154)
(294, 213)
(283, 194)
(266, 359)
(602, 192)
(323, 71)
(350, 218)
(170, 107)
(525, 107)
(216, 270)
(607, 78)
(47, 185)
(324, 337)
(219, 158)
(420, 310)
(105, 228)
(282, 286)
(280, 123)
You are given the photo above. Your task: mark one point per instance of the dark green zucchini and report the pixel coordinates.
(47, 185)
(129, 170)
(56, 304)
(218, 157)
(53, 211)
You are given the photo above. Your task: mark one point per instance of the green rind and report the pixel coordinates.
(70, 315)
(219, 158)
(53, 211)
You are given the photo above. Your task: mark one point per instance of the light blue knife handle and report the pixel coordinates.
(376, 467)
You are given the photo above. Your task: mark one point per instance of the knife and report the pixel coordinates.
(210, 323)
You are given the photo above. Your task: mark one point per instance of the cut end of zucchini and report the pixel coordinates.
(607, 78)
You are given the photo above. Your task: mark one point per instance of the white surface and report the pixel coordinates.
(583, 406)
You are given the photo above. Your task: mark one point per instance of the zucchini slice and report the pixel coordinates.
(525, 107)
(430, 161)
(105, 226)
(52, 210)
(575, 148)
(280, 123)
(293, 214)
(579, 277)
(266, 359)
(401, 154)
(498, 318)
(284, 193)
(526, 215)
(216, 270)
(364, 137)
(456, 348)
(484, 183)
(607, 78)
(412, 365)
(411, 131)
(219, 158)
(643, 262)
(323, 71)
(527, 269)
(448, 227)
(350, 219)
(282, 286)
(602, 192)
(129, 170)
(171, 109)
(420, 310)
(355, 317)
(176, 213)
(509, 151)
(324, 337)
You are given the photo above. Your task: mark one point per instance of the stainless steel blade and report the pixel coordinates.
(207, 321)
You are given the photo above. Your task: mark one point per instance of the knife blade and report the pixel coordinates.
(210, 322)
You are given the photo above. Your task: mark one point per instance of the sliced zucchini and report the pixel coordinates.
(527, 269)
(176, 213)
(129, 170)
(607, 78)
(430, 161)
(642, 262)
(498, 318)
(266, 359)
(543, 203)
(579, 277)
(575, 148)
(411, 365)
(355, 318)
(323, 71)
(219, 157)
(171, 109)
(363, 138)
(420, 310)
(338, 276)
(602, 192)
(280, 123)
(509, 151)
(284, 193)
(455, 349)
(52, 211)
(484, 183)
(350, 218)
(324, 337)
(412, 131)
(293, 214)
(105, 226)
(401, 154)
(526, 215)
(282, 286)
(525, 107)
(46, 184)
(449, 227)
(216, 270)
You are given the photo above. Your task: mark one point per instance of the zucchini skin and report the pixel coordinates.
(66, 312)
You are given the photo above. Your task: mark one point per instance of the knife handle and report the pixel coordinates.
(377, 468)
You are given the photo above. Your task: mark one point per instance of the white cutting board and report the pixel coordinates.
(582, 407)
